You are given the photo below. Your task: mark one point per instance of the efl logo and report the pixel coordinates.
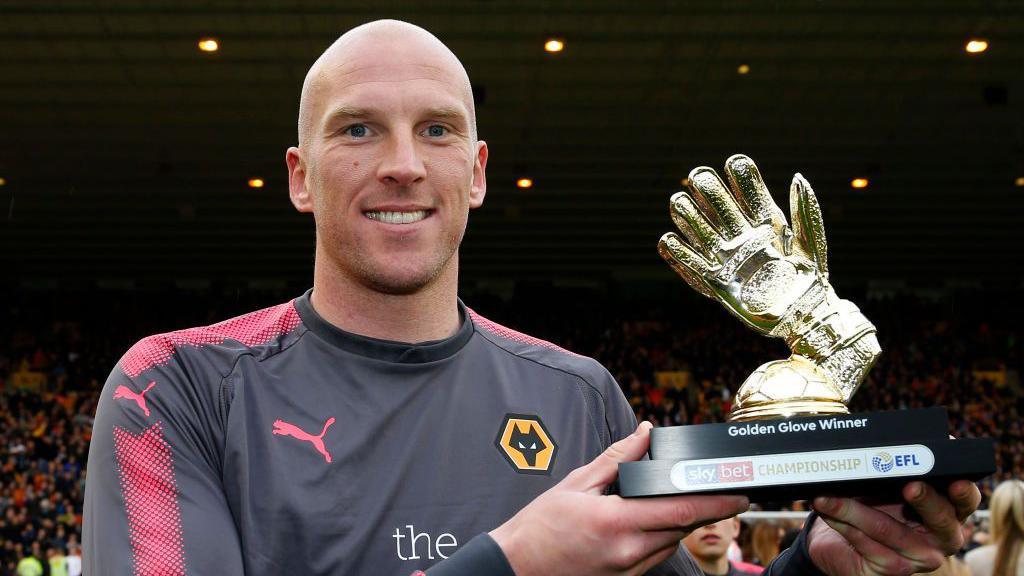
(720, 473)
(884, 462)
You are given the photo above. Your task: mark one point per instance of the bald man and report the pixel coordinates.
(377, 425)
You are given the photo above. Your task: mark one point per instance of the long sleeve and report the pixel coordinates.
(481, 555)
(796, 559)
(154, 502)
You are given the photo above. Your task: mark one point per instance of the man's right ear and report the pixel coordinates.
(297, 190)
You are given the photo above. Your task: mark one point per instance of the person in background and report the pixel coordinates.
(74, 560)
(31, 565)
(1003, 557)
(58, 563)
(765, 539)
(735, 553)
(710, 546)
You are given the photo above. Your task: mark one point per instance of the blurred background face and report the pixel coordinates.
(711, 542)
(391, 163)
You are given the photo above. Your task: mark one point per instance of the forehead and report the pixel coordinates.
(391, 64)
(381, 78)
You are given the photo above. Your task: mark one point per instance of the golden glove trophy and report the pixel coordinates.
(795, 438)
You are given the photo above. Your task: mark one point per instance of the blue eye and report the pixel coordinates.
(436, 130)
(357, 130)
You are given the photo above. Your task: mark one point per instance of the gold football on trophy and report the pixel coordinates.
(787, 387)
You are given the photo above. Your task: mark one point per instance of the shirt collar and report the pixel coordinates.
(386, 350)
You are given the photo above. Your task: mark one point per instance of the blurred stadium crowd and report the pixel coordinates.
(678, 358)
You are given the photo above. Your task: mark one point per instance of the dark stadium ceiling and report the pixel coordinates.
(125, 151)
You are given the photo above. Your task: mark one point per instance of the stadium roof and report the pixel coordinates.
(125, 151)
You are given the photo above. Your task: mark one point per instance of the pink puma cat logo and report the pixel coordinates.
(138, 397)
(285, 429)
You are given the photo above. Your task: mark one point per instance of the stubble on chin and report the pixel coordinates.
(392, 285)
(399, 282)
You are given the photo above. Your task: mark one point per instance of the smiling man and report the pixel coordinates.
(375, 424)
(389, 164)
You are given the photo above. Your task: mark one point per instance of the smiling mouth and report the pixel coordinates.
(394, 217)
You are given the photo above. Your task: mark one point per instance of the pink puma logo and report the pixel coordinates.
(139, 397)
(285, 429)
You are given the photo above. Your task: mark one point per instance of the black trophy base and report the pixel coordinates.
(872, 454)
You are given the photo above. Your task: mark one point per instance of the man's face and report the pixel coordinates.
(711, 542)
(390, 165)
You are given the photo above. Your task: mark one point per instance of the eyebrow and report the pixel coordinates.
(344, 113)
(447, 113)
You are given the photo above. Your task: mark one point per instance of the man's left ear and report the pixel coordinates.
(479, 188)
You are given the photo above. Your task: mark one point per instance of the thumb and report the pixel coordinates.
(808, 226)
(603, 470)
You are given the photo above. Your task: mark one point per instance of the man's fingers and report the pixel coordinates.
(686, 262)
(937, 513)
(877, 558)
(712, 191)
(965, 497)
(878, 526)
(603, 470)
(682, 512)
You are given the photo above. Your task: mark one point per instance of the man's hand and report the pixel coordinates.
(574, 528)
(854, 539)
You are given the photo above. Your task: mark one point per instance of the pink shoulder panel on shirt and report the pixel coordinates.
(146, 468)
(251, 329)
(505, 332)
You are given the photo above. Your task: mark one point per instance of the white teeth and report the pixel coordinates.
(397, 217)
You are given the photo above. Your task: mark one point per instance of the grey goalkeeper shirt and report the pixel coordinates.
(275, 443)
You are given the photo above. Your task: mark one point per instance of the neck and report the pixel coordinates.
(718, 565)
(429, 314)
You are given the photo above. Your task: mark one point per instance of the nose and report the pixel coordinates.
(402, 164)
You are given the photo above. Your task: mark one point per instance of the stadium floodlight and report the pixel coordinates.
(554, 45)
(209, 45)
(976, 46)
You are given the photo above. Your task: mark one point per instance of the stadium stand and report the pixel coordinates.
(678, 358)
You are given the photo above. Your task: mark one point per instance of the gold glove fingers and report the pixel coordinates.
(748, 186)
(740, 250)
(808, 225)
(720, 203)
(687, 263)
(702, 234)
